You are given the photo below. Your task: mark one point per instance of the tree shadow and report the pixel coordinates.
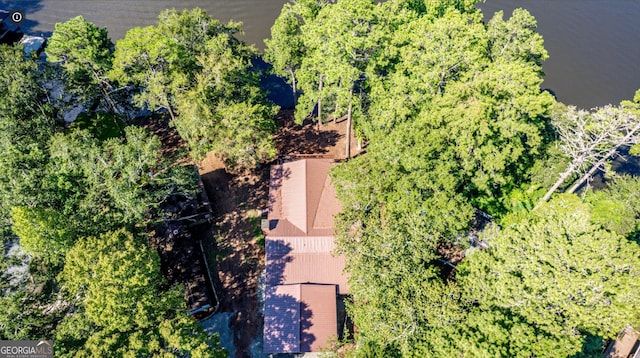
(278, 174)
(277, 89)
(182, 261)
(346, 327)
(303, 139)
(278, 256)
(287, 322)
(239, 257)
(592, 346)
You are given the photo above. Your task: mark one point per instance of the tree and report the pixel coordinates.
(452, 131)
(196, 69)
(162, 60)
(285, 49)
(225, 111)
(152, 61)
(560, 272)
(516, 39)
(26, 123)
(91, 187)
(128, 174)
(43, 232)
(119, 282)
(85, 52)
(591, 138)
(616, 207)
(340, 42)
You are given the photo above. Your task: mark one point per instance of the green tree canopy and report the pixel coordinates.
(225, 110)
(26, 124)
(560, 272)
(195, 67)
(85, 52)
(121, 289)
(452, 131)
(286, 49)
(151, 61)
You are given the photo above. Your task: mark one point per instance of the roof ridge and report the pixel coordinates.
(306, 196)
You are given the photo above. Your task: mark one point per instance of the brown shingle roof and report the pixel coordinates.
(302, 201)
(303, 276)
(299, 318)
(304, 260)
(624, 345)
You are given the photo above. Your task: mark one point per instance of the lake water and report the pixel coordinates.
(594, 45)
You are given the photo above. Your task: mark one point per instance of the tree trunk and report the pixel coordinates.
(167, 105)
(293, 86)
(171, 114)
(599, 163)
(110, 102)
(593, 169)
(348, 154)
(335, 112)
(320, 103)
(556, 185)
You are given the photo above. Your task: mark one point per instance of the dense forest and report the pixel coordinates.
(465, 157)
(469, 223)
(82, 197)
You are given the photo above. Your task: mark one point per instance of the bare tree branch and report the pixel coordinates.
(590, 139)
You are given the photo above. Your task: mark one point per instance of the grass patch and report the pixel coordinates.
(102, 125)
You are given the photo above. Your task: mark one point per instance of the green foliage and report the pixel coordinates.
(516, 39)
(338, 44)
(560, 274)
(68, 195)
(90, 187)
(452, 127)
(616, 207)
(195, 66)
(123, 171)
(43, 232)
(117, 276)
(101, 125)
(371, 349)
(225, 111)
(149, 60)
(109, 184)
(125, 312)
(85, 53)
(285, 49)
(26, 123)
(26, 315)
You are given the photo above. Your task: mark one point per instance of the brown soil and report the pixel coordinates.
(307, 140)
(172, 144)
(238, 201)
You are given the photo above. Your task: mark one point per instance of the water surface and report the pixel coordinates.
(594, 45)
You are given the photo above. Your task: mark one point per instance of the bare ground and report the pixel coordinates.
(237, 203)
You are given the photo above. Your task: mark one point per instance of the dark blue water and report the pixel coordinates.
(594, 45)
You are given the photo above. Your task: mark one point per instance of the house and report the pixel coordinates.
(10, 33)
(626, 345)
(304, 279)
